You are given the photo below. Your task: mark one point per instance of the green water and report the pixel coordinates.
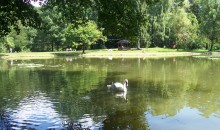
(71, 93)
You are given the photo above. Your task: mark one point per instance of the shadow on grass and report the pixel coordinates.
(67, 53)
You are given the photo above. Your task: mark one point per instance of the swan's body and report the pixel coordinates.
(119, 86)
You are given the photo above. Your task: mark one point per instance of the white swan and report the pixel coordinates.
(119, 86)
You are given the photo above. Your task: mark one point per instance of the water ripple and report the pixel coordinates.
(35, 112)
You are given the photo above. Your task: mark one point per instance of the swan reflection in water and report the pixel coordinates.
(122, 95)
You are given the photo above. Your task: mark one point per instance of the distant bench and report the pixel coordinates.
(68, 49)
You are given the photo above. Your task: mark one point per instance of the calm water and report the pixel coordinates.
(71, 93)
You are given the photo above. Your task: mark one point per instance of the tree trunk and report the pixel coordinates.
(152, 31)
(52, 46)
(213, 37)
(211, 47)
(57, 47)
(83, 47)
(138, 44)
(206, 46)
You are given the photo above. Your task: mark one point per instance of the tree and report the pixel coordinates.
(210, 21)
(180, 24)
(160, 23)
(13, 11)
(124, 19)
(185, 26)
(53, 27)
(84, 35)
(76, 13)
(142, 35)
(8, 42)
(18, 42)
(59, 14)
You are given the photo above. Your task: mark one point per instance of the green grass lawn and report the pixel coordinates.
(133, 52)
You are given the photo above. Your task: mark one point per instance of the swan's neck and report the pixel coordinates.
(124, 87)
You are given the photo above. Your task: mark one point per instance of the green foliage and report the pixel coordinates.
(176, 22)
(76, 13)
(188, 24)
(84, 36)
(51, 37)
(210, 21)
(13, 11)
(184, 28)
(123, 19)
(9, 42)
(18, 42)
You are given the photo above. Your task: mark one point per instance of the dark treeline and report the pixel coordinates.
(92, 24)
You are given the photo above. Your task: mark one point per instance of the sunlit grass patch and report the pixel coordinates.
(133, 52)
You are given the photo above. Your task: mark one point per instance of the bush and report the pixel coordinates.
(216, 46)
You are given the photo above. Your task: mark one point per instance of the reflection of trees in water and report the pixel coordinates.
(64, 83)
(128, 119)
(121, 114)
(172, 85)
(164, 87)
(156, 85)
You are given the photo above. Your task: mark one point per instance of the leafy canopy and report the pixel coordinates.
(84, 35)
(13, 11)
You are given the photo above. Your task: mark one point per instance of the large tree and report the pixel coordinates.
(13, 11)
(76, 12)
(84, 36)
(53, 27)
(123, 18)
(184, 27)
(210, 21)
(160, 23)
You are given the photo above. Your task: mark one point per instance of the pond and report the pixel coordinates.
(181, 93)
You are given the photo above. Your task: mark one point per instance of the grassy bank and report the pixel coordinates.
(37, 55)
(150, 52)
(146, 52)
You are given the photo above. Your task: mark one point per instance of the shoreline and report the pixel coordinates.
(141, 55)
(106, 54)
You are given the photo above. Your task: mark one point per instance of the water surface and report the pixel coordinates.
(70, 93)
